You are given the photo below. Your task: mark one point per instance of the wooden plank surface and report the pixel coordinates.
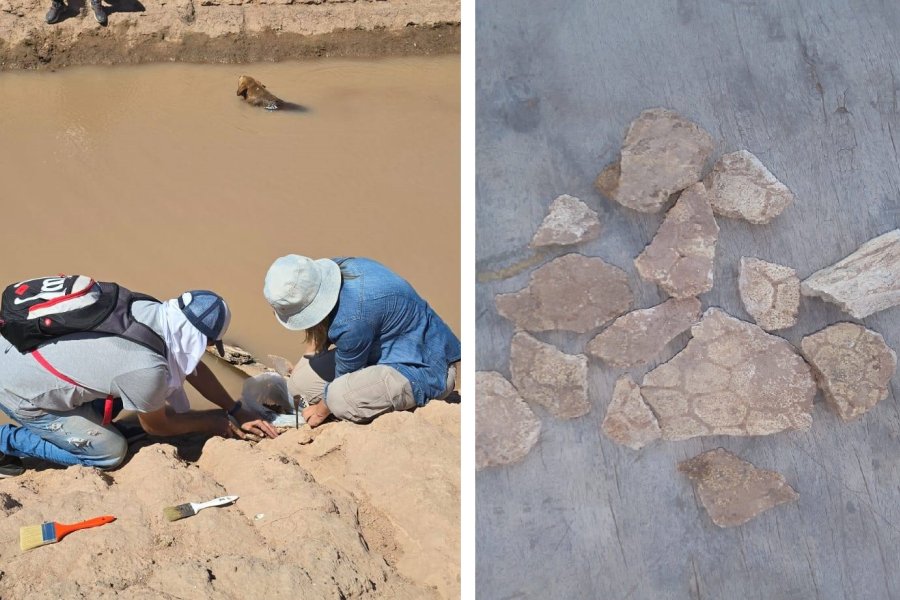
(810, 88)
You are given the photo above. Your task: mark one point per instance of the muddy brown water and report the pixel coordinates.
(161, 178)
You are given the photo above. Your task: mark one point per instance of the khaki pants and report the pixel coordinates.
(362, 395)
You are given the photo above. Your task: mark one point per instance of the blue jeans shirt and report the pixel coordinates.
(381, 320)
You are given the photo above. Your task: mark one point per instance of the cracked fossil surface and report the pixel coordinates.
(638, 337)
(770, 293)
(741, 187)
(629, 421)
(734, 491)
(571, 293)
(681, 257)
(853, 366)
(568, 221)
(733, 378)
(505, 428)
(662, 154)
(863, 283)
(545, 375)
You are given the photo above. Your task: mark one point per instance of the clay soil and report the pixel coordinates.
(345, 511)
(224, 31)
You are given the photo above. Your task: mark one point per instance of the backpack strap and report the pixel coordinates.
(108, 404)
(120, 321)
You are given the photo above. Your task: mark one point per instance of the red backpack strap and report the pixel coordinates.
(107, 406)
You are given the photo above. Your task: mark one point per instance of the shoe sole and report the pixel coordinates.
(8, 475)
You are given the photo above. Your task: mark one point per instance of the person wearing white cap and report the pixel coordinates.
(391, 351)
(58, 396)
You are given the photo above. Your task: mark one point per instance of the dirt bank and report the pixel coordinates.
(346, 511)
(226, 31)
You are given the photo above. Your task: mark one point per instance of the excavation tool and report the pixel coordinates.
(189, 509)
(51, 532)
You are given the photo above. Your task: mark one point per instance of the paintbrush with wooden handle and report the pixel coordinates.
(189, 509)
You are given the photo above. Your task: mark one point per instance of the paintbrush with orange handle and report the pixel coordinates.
(51, 532)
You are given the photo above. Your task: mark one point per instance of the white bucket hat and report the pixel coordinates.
(302, 291)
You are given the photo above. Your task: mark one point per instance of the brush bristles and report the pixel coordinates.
(37, 535)
(173, 513)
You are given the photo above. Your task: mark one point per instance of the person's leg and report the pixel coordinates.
(99, 12)
(452, 378)
(306, 382)
(365, 394)
(57, 10)
(76, 437)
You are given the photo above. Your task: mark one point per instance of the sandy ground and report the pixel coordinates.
(227, 31)
(345, 511)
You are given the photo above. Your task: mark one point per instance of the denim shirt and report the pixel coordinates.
(381, 320)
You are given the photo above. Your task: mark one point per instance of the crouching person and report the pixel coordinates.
(391, 351)
(63, 391)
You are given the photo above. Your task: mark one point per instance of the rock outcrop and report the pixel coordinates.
(225, 31)
(321, 514)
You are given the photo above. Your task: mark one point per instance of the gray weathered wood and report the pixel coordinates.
(809, 87)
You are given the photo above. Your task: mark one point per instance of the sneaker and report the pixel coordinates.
(10, 466)
(57, 10)
(99, 13)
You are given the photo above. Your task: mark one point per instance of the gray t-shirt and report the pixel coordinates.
(103, 364)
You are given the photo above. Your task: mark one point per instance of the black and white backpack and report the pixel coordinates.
(36, 311)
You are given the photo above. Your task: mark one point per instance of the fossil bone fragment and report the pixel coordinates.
(572, 293)
(733, 378)
(505, 428)
(741, 187)
(853, 366)
(629, 421)
(681, 256)
(555, 380)
(638, 337)
(569, 221)
(770, 293)
(732, 490)
(863, 283)
(663, 153)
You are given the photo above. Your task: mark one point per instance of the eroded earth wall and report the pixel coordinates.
(225, 31)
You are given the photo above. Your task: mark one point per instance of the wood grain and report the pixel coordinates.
(809, 87)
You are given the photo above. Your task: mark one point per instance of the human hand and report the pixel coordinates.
(252, 422)
(232, 429)
(315, 414)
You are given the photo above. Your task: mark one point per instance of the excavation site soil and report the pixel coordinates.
(161, 178)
